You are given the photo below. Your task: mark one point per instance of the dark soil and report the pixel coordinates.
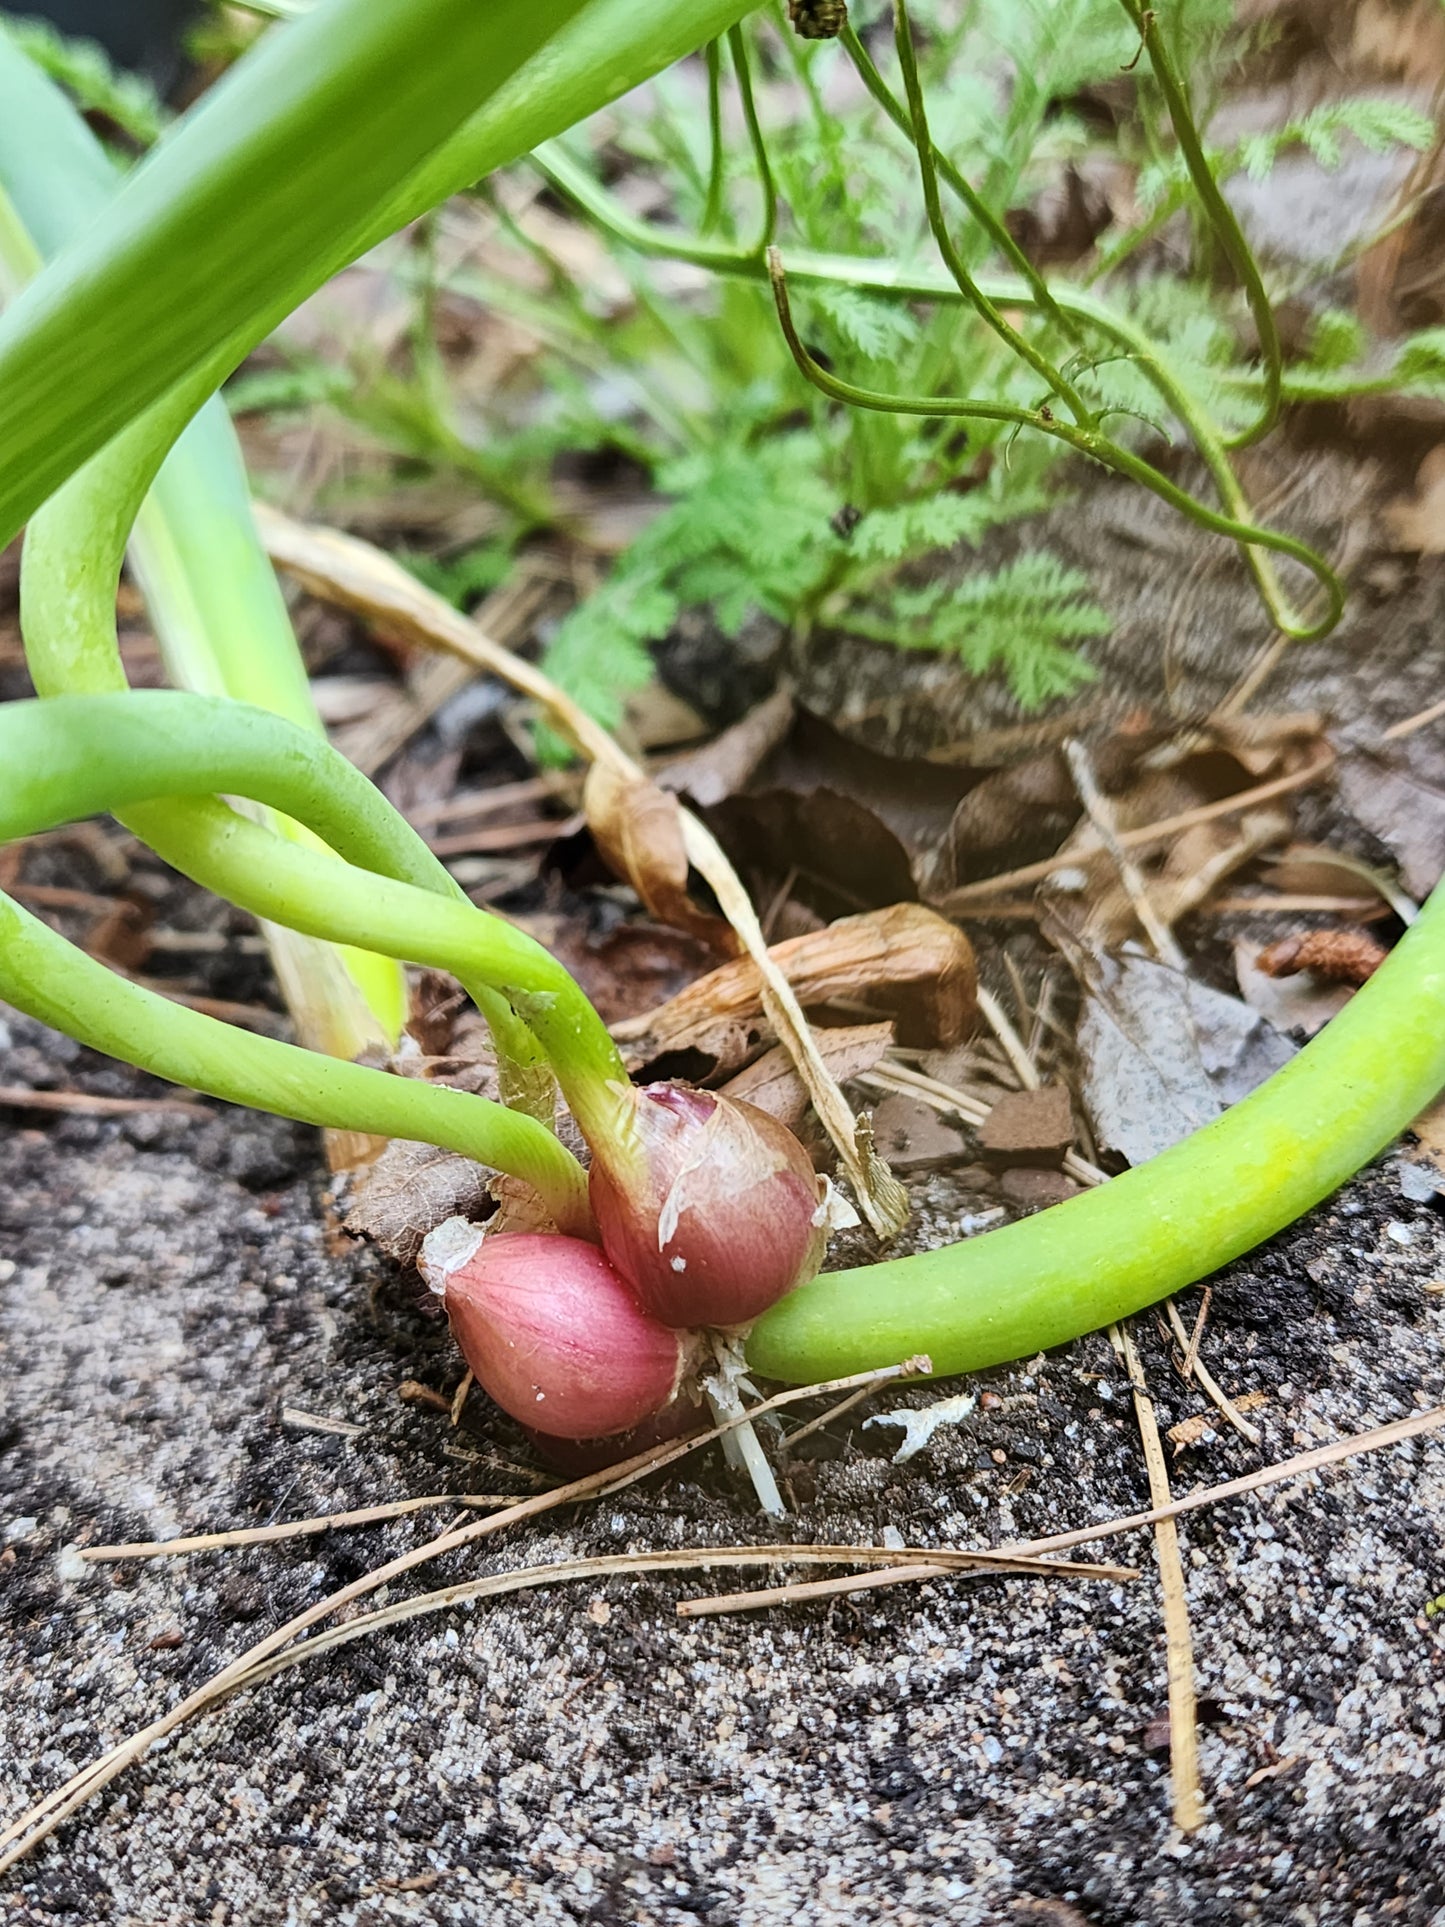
(976, 1751)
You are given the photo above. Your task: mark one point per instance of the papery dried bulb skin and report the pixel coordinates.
(557, 1339)
(717, 1216)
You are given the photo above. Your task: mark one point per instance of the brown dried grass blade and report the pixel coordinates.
(1178, 1640)
(367, 1515)
(912, 1562)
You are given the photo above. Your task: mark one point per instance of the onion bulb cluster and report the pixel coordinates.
(708, 1211)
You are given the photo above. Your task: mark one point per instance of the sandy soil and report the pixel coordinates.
(976, 1751)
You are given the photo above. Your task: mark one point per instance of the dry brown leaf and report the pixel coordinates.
(1008, 806)
(905, 960)
(1401, 798)
(1196, 864)
(1162, 1054)
(1263, 744)
(864, 827)
(638, 830)
(773, 1083)
(1294, 1005)
(1314, 870)
(656, 719)
(720, 768)
(436, 1003)
(1416, 523)
(1390, 39)
(410, 1190)
(1334, 956)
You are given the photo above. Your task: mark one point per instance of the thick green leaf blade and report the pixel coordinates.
(214, 601)
(604, 48)
(244, 200)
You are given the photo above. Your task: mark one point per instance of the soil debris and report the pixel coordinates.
(1029, 1127)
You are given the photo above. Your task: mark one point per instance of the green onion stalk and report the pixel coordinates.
(240, 141)
(71, 756)
(214, 603)
(1167, 1224)
(52, 980)
(331, 133)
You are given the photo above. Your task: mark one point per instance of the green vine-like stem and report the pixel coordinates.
(1149, 25)
(996, 230)
(922, 142)
(1084, 441)
(1156, 1229)
(1080, 306)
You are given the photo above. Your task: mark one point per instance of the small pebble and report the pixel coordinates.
(1421, 1183)
(1399, 1234)
(70, 1566)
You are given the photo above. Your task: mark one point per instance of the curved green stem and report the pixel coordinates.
(109, 300)
(738, 47)
(240, 200)
(1084, 441)
(43, 975)
(1156, 1229)
(1146, 19)
(75, 755)
(952, 259)
(717, 152)
(69, 572)
(993, 227)
(569, 177)
(212, 596)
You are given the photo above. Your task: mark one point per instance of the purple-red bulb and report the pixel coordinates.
(551, 1332)
(710, 1210)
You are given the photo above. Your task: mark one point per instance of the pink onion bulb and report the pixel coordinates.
(576, 1457)
(551, 1332)
(711, 1210)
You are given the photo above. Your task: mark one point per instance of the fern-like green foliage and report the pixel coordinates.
(84, 70)
(462, 579)
(1420, 362)
(1376, 122)
(748, 529)
(600, 652)
(1025, 619)
(1337, 339)
(938, 521)
(771, 498)
(823, 520)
